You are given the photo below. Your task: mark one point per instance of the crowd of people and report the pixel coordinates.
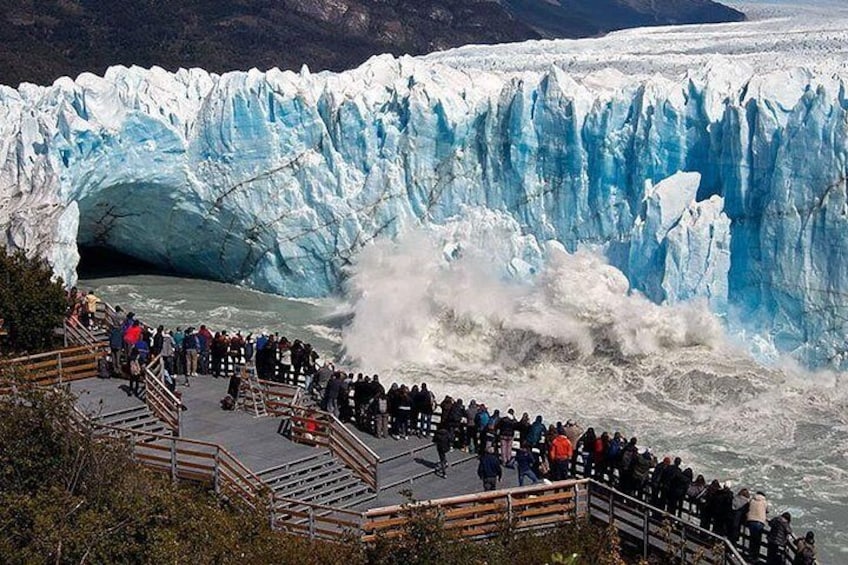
(545, 451)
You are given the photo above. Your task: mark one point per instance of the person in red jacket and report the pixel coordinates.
(560, 456)
(132, 335)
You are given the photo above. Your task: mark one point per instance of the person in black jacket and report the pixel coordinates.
(678, 485)
(489, 469)
(443, 444)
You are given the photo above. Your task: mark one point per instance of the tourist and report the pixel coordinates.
(380, 412)
(116, 345)
(778, 536)
(536, 433)
(90, 308)
(456, 427)
(805, 553)
(298, 360)
(343, 398)
(560, 454)
(573, 432)
(360, 400)
(414, 415)
(191, 344)
(235, 353)
(471, 435)
(506, 435)
(285, 361)
(330, 402)
(739, 507)
(156, 342)
(424, 401)
(404, 409)
(677, 484)
(625, 466)
(639, 475)
(249, 349)
(179, 353)
(135, 372)
(709, 507)
(587, 444)
(755, 521)
(204, 342)
(217, 351)
(525, 462)
(167, 351)
(657, 487)
(489, 468)
(443, 444)
(481, 422)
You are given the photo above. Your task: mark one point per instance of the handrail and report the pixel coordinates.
(55, 367)
(160, 399)
(345, 444)
(647, 510)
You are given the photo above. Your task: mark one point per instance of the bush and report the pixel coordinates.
(31, 303)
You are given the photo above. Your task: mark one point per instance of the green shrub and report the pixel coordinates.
(31, 303)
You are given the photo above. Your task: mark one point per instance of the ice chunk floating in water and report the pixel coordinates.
(277, 180)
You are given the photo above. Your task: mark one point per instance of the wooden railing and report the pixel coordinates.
(54, 367)
(78, 335)
(354, 453)
(658, 530)
(161, 401)
(280, 398)
(486, 514)
(315, 520)
(212, 464)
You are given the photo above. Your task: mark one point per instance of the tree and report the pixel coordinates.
(32, 304)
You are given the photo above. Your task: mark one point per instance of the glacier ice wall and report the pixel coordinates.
(275, 180)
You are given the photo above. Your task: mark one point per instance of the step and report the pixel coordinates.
(275, 476)
(323, 482)
(296, 480)
(123, 416)
(354, 492)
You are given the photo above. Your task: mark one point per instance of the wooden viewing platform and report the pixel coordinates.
(321, 478)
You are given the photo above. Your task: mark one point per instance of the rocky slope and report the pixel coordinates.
(41, 40)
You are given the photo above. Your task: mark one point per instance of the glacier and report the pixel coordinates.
(703, 161)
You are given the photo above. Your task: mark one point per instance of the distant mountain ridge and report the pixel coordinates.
(580, 18)
(41, 40)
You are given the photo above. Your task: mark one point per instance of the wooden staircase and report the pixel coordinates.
(138, 419)
(319, 479)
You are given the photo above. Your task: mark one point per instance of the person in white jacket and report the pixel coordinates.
(756, 522)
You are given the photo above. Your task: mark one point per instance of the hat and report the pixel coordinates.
(810, 537)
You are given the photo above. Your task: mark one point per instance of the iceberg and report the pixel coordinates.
(712, 178)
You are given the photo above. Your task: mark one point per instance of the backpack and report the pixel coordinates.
(382, 406)
(627, 459)
(135, 368)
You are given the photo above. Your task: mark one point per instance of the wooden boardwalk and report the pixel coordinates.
(321, 478)
(258, 444)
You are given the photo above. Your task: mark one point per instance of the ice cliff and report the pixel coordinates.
(722, 181)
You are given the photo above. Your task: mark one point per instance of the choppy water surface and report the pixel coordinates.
(573, 344)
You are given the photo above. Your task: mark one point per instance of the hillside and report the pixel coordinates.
(41, 40)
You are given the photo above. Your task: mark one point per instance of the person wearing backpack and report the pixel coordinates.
(380, 411)
(135, 372)
(778, 536)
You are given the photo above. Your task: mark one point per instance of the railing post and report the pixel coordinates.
(683, 544)
(173, 459)
(216, 477)
(311, 512)
(59, 366)
(611, 507)
(646, 533)
(272, 511)
(509, 507)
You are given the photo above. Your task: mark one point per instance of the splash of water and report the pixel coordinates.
(573, 341)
